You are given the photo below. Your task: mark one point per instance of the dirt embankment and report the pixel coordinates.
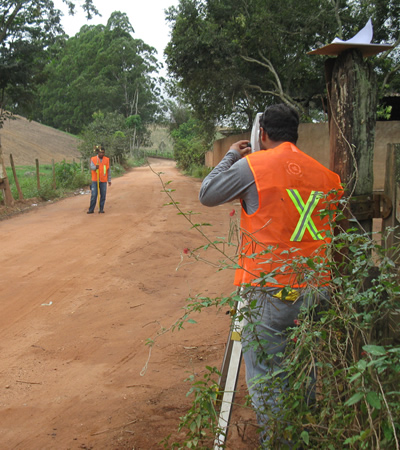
(28, 140)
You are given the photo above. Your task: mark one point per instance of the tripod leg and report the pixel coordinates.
(228, 382)
(228, 395)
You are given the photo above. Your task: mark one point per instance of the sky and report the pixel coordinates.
(146, 17)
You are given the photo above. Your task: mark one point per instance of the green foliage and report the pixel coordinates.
(136, 162)
(70, 175)
(117, 170)
(354, 353)
(107, 129)
(200, 420)
(47, 191)
(198, 171)
(140, 135)
(384, 112)
(231, 58)
(353, 344)
(27, 180)
(159, 154)
(28, 29)
(189, 144)
(102, 68)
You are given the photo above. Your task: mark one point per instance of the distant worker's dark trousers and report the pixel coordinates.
(93, 198)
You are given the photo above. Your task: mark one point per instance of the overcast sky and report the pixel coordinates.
(147, 18)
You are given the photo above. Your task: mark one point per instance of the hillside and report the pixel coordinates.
(28, 140)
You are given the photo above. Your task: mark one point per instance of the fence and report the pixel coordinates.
(5, 185)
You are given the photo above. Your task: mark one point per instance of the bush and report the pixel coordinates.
(70, 175)
(354, 347)
(47, 191)
(198, 171)
(189, 145)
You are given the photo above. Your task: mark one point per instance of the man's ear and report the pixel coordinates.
(263, 137)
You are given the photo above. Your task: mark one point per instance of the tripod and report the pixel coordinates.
(228, 379)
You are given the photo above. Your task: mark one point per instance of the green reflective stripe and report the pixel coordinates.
(105, 169)
(305, 211)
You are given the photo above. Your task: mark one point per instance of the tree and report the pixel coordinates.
(138, 133)
(27, 29)
(100, 68)
(233, 57)
(189, 148)
(108, 130)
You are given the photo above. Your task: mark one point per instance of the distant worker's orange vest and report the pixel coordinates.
(104, 166)
(292, 190)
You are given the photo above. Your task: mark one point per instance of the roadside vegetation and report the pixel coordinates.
(352, 344)
(66, 179)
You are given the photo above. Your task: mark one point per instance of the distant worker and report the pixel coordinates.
(282, 191)
(101, 175)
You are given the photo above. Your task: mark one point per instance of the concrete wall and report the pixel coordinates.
(314, 140)
(220, 148)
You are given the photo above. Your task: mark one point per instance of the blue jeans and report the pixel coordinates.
(264, 339)
(93, 197)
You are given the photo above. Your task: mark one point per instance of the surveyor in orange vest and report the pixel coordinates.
(282, 191)
(101, 175)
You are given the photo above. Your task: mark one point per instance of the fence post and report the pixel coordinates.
(4, 183)
(37, 174)
(392, 190)
(54, 174)
(20, 194)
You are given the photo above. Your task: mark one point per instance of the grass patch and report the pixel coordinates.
(28, 182)
(196, 171)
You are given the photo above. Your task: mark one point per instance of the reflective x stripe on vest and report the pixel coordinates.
(305, 211)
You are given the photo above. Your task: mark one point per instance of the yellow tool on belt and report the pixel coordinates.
(290, 295)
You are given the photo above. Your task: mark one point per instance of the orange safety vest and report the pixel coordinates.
(104, 166)
(290, 187)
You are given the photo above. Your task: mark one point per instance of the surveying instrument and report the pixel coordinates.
(233, 351)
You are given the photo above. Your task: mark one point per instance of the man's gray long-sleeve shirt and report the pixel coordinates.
(231, 179)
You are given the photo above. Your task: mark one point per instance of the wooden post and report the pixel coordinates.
(392, 190)
(54, 174)
(4, 183)
(37, 174)
(20, 194)
(352, 107)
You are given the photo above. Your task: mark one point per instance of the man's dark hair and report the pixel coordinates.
(281, 122)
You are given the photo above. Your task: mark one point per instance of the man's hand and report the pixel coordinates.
(97, 167)
(109, 183)
(242, 147)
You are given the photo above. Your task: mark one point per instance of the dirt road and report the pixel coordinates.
(80, 295)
